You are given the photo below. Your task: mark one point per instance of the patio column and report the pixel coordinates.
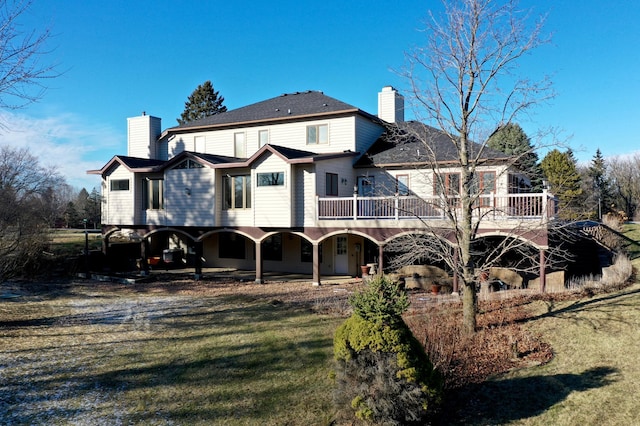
(456, 261)
(259, 263)
(144, 254)
(197, 261)
(543, 274)
(380, 259)
(316, 265)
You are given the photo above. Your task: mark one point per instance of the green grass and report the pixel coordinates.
(91, 354)
(632, 232)
(594, 378)
(71, 242)
(164, 360)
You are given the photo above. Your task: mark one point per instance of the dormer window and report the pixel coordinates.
(188, 164)
(317, 134)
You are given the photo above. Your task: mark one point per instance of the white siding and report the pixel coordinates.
(273, 204)
(196, 208)
(343, 168)
(367, 132)
(120, 205)
(342, 136)
(305, 196)
(142, 133)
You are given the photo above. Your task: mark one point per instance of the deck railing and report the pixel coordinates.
(493, 207)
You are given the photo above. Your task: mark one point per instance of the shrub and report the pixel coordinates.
(383, 374)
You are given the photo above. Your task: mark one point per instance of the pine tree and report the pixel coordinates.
(561, 171)
(512, 140)
(599, 184)
(204, 101)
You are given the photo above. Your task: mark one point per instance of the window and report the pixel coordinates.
(331, 187)
(402, 185)
(271, 179)
(120, 185)
(263, 138)
(236, 192)
(448, 186)
(318, 134)
(231, 246)
(366, 186)
(188, 164)
(484, 185)
(272, 248)
(239, 147)
(153, 198)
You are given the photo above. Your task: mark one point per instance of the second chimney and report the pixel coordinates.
(390, 105)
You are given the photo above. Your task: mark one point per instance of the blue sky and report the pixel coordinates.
(120, 58)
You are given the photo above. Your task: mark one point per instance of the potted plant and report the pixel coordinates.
(435, 287)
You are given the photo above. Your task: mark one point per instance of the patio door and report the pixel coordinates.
(341, 256)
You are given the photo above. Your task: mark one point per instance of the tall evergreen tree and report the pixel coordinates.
(561, 171)
(600, 196)
(203, 102)
(512, 140)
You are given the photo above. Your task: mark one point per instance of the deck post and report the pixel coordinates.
(316, 265)
(259, 263)
(543, 274)
(144, 254)
(380, 259)
(197, 260)
(455, 273)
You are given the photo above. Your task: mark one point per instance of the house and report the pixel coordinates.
(300, 183)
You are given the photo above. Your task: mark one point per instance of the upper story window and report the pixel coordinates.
(447, 184)
(236, 192)
(331, 187)
(239, 145)
(317, 134)
(402, 185)
(120, 185)
(485, 184)
(188, 164)
(271, 179)
(263, 138)
(153, 197)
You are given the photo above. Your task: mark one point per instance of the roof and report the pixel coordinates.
(412, 142)
(290, 155)
(285, 107)
(131, 163)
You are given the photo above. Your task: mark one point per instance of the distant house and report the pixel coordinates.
(299, 183)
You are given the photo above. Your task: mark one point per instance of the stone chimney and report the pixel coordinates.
(390, 105)
(142, 133)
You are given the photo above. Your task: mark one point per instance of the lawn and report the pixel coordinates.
(212, 352)
(98, 354)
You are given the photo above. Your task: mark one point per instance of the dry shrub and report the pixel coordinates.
(500, 344)
(614, 277)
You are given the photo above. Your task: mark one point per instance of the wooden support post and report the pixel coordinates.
(259, 263)
(316, 265)
(380, 259)
(543, 273)
(198, 252)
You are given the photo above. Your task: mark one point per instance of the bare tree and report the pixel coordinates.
(25, 186)
(21, 68)
(464, 82)
(624, 178)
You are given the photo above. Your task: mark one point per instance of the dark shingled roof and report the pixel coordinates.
(283, 107)
(139, 163)
(405, 143)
